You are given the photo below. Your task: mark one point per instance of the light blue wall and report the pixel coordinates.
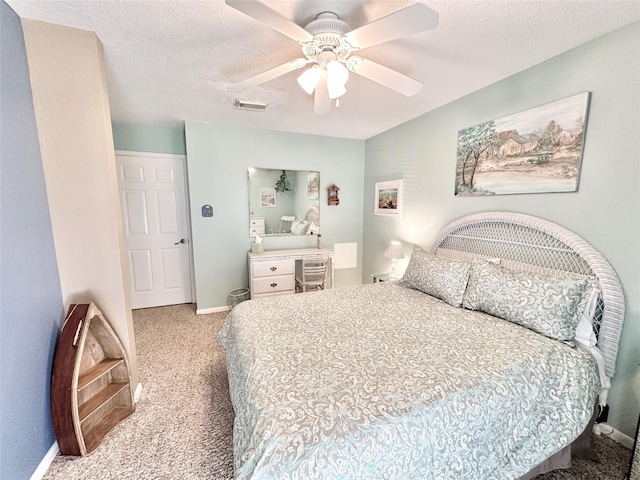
(218, 158)
(31, 310)
(149, 138)
(605, 210)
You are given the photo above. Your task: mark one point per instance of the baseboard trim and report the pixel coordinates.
(137, 393)
(45, 463)
(616, 435)
(204, 311)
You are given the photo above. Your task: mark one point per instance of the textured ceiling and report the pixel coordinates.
(172, 61)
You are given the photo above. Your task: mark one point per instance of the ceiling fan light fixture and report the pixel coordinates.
(328, 42)
(309, 79)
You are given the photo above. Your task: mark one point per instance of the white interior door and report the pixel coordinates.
(153, 196)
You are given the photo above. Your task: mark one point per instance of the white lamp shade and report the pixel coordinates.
(394, 250)
(337, 76)
(337, 72)
(335, 90)
(309, 79)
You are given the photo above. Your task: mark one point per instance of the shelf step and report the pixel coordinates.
(99, 399)
(98, 370)
(92, 438)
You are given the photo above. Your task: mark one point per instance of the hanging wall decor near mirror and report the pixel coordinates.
(332, 195)
(283, 202)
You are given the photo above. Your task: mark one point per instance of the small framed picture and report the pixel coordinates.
(388, 198)
(313, 185)
(268, 197)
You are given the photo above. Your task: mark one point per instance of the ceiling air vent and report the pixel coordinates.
(255, 106)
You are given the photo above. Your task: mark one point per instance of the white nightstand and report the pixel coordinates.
(381, 277)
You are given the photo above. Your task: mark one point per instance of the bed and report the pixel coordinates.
(446, 373)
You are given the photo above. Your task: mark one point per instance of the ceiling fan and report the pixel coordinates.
(329, 43)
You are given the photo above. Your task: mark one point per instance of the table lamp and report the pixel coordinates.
(394, 251)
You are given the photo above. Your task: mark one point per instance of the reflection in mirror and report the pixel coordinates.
(283, 202)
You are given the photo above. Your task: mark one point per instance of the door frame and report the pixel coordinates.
(187, 203)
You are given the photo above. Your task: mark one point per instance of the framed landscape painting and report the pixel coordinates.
(535, 151)
(388, 198)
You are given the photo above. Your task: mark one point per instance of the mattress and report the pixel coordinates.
(382, 381)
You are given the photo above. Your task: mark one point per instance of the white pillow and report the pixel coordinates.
(584, 331)
(298, 227)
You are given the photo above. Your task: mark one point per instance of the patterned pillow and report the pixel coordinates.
(440, 277)
(546, 304)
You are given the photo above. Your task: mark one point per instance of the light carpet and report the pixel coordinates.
(182, 426)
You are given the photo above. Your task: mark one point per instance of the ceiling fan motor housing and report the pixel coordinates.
(327, 29)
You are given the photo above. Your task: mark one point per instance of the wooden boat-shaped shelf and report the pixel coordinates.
(91, 383)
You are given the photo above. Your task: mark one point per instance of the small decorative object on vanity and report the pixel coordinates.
(394, 251)
(257, 246)
(319, 240)
(332, 197)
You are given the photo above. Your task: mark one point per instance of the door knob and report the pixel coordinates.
(182, 240)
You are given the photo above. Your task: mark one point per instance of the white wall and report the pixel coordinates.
(72, 113)
(605, 211)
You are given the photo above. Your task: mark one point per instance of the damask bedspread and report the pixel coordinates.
(385, 382)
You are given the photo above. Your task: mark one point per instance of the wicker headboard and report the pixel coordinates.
(525, 242)
(312, 215)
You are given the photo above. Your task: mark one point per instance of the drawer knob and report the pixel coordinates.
(273, 269)
(274, 284)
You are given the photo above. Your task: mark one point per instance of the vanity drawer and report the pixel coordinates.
(256, 222)
(271, 285)
(253, 231)
(256, 226)
(273, 267)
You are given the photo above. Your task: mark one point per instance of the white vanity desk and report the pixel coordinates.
(274, 271)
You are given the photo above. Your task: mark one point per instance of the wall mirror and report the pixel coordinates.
(283, 202)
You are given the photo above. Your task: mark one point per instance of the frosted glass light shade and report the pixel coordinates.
(337, 72)
(335, 90)
(309, 79)
(337, 76)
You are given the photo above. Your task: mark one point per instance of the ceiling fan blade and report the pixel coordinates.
(269, 75)
(265, 14)
(402, 23)
(321, 100)
(384, 76)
